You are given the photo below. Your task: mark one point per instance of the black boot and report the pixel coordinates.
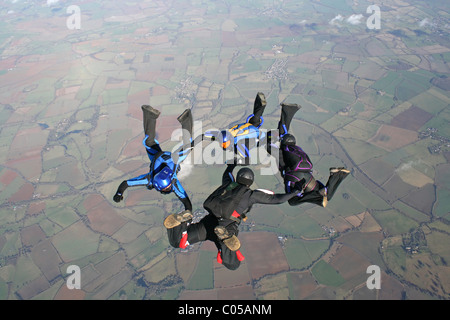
(175, 219)
(149, 111)
(186, 121)
(288, 111)
(258, 109)
(337, 175)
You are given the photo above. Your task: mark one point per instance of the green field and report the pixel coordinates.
(301, 254)
(326, 274)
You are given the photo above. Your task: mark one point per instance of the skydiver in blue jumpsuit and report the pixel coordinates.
(164, 165)
(242, 138)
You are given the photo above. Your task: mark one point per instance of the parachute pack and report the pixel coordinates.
(223, 201)
(297, 160)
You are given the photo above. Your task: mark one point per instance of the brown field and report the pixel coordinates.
(135, 101)
(32, 235)
(354, 220)
(8, 177)
(36, 207)
(108, 269)
(349, 263)
(30, 165)
(46, 258)
(244, 292)
(33, 288)
(138, 194)
(411, 119)
(365, 244)
(397, 187)
(266, 255)
(224, 278)
(8, 62)
(102, 215)
(199, 295)
(341, 224)
(166, 125)
(422, 199)
(302, 284)
(414, 177)
(391, 138)
(159, 91)
(70, 172)
(134, 148)
(229, 39)
(24, 193)
(391, 289)
(378, 170)
(66, 294)
(369, 224)
(308, 58)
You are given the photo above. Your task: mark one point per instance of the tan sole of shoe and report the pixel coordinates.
(176, 219)
(232, 243)
(221, 232)
(262, 97)
(324, 202)
(151, 109)
(341, 169)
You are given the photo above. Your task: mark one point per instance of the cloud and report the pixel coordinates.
(426, 22)
(338, 18)
(186, 170)
(50, 2)
(355, 19)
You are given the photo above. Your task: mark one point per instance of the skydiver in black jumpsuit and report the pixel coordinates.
(222, 227)
(296, 167)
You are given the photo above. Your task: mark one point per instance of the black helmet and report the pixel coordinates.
(245, 176)
(288, 139)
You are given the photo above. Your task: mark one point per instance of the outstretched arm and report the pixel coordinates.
(182, 195)
(138, 181)
(262, 197)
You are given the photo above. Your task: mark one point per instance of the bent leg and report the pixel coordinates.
(335, 180)
(186, 121)
(183, 235)
(287, 114)
(258, 109)
(149, 119)
(314, 197)
(230, 259)
(176, 234)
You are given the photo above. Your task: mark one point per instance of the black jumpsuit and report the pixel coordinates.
(184, 234)
(296, 168)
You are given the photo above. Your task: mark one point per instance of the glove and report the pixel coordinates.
(118, 197)
(298, 193)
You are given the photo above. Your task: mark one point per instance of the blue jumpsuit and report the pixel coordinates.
(160, 159)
